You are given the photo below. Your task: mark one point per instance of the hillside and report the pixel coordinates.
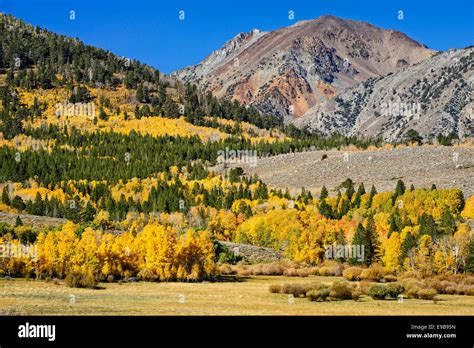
(288, 71)
(432, 97)
(421, 166)
(95, 144)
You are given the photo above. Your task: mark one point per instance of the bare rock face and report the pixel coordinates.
(288, 71)
(431, 97)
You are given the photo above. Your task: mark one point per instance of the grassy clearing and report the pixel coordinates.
(247, 297)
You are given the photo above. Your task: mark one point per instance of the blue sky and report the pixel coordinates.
(151, 31)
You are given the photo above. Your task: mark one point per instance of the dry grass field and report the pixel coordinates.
(250, 296)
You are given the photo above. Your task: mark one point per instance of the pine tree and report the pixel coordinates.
(5, 195)
(373, 192)
(399, 190)
(356, 203)
(345, 207)
(428, 225)
(341, 240)
(103, 115)
(324, 193)
(88, 213)
(448, 223)
(349, 189)
(408, 244)
(395, 223)
(361, 189)
(358, 242)
(372, 243)
(18, 221)
(325, 209)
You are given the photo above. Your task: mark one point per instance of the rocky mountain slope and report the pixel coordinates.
(434, 96)
(288, 71)
(422, 166)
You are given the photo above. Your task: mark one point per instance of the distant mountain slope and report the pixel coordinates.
(34, 58)
(431, 97)
(287, 71)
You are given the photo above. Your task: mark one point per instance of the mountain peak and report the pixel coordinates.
(289, 70)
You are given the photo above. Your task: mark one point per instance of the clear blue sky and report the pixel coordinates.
(151, 31)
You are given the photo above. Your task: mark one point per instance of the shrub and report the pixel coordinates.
(352, 273)
(395, 289)
(459, 284)
(356, 294)
(341, 290)
(390, 278)
(78, 279)
(413, 291)
(330, 268)
(426, 294)
(226, 269)
(318, 295)
(450, 290)
(297, 290)
(271, 269)
(373, 273)
(274, 288)
(364, 287)
(379, 292)
(469, 291)
(244, 272)
(296, 272)
(411, 274)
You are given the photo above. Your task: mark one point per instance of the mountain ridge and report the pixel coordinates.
(289, 70)
(431, 97)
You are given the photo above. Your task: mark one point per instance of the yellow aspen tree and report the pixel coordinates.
(424, 256)
(393, 252)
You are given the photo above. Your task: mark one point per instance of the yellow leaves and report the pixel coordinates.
(431, 202)
(154, 126)
(423, 258)
(157, 249)
(223, 225)
(102, 218)
(392, 252)
(169, 257)
(6, 208)
(468, 212)
(461, 242)
(382, 202)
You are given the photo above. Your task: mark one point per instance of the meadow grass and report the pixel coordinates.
(249, 296)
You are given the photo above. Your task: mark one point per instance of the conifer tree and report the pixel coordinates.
(324, 193)
(358, 243)
(5, 195)
(18, 221)
(373, 192)
(372, 242)
(448, 223)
